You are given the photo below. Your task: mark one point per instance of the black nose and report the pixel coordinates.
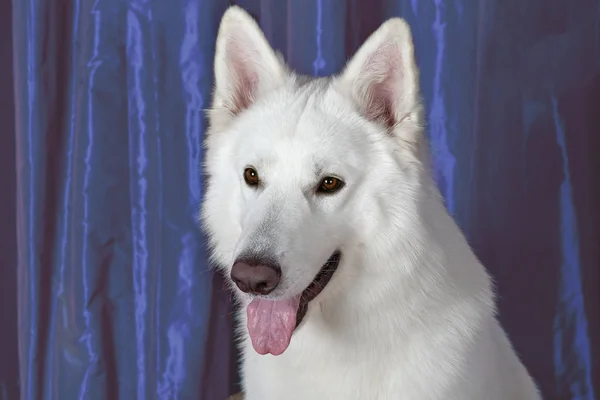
(255, 276)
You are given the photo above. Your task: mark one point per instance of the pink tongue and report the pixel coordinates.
(271, 324)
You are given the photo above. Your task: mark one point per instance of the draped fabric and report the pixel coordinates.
(115, 296)
(9, 375)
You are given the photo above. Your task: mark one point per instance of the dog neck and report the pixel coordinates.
(428, 269)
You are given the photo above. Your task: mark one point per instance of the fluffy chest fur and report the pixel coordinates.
(423, 338)
(427, 363)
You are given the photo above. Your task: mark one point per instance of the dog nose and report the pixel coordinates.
(255, 277)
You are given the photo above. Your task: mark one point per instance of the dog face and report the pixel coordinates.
(297, 167)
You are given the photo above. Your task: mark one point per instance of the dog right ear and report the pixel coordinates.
(246, 67)
(382, 79)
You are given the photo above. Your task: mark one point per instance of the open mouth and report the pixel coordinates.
(271, 323)
(317, 285)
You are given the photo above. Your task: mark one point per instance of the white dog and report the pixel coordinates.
(353, 280)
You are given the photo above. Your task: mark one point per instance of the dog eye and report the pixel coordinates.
(251, 177)
(330, 185)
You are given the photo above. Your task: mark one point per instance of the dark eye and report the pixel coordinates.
(251, 177)
(330, 185)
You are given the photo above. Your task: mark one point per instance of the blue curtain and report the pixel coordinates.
(115, 298)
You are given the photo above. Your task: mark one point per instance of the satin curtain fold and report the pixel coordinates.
(116, 300)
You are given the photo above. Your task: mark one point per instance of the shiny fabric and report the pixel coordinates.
(115, 298)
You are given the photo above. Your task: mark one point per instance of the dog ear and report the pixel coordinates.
(382, 78)
(246, 66)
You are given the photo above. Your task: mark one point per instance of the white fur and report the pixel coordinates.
(409, 314)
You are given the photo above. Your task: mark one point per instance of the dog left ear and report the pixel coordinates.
(382, 78)
(246, 66)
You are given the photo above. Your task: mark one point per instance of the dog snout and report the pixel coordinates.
(256, 277)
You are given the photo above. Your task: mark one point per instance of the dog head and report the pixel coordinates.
(299, 169)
